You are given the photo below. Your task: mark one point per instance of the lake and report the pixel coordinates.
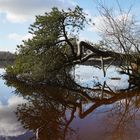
(102, 109)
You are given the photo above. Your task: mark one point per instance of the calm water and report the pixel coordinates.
(48, 113)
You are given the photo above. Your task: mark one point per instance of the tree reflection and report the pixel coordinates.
(46, 112)
(46, 115)
(124, 117)
(50, 110)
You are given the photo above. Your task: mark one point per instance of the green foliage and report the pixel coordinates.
(38, 67)
(44, 57)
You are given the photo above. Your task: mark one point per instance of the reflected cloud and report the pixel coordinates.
(89, 76)
(9, 126)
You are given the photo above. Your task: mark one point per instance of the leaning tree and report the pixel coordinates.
(53, 49)
(53, 45)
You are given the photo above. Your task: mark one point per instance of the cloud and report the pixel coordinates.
(9, 126)
(23, 10)
(96, 24)
(100, 23)
(16, 18)
(18, 37)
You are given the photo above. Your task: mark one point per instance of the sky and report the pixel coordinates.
(17, 15)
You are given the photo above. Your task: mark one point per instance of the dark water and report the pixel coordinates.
(49, 113)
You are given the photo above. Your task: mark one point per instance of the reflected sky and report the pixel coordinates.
(89, 76)
(76, 113)
(9, 126)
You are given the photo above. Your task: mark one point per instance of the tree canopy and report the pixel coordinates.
(52, 45)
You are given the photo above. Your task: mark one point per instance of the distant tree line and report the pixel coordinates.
(6, 56)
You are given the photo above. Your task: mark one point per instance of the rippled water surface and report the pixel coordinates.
(105, 112)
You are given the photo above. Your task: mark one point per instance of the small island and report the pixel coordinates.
(59, 86)
(53, 52)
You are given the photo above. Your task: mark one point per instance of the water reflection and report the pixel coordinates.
(54, 113)
(9, 126)
(46, 112)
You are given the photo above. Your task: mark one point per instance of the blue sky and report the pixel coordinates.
(17, 15)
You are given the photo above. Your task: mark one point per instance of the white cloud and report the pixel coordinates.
(100, 23)
(9, 126)
(16, 18)
(15, 100)
(18, 37)
(97, 24)
(23, 10)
